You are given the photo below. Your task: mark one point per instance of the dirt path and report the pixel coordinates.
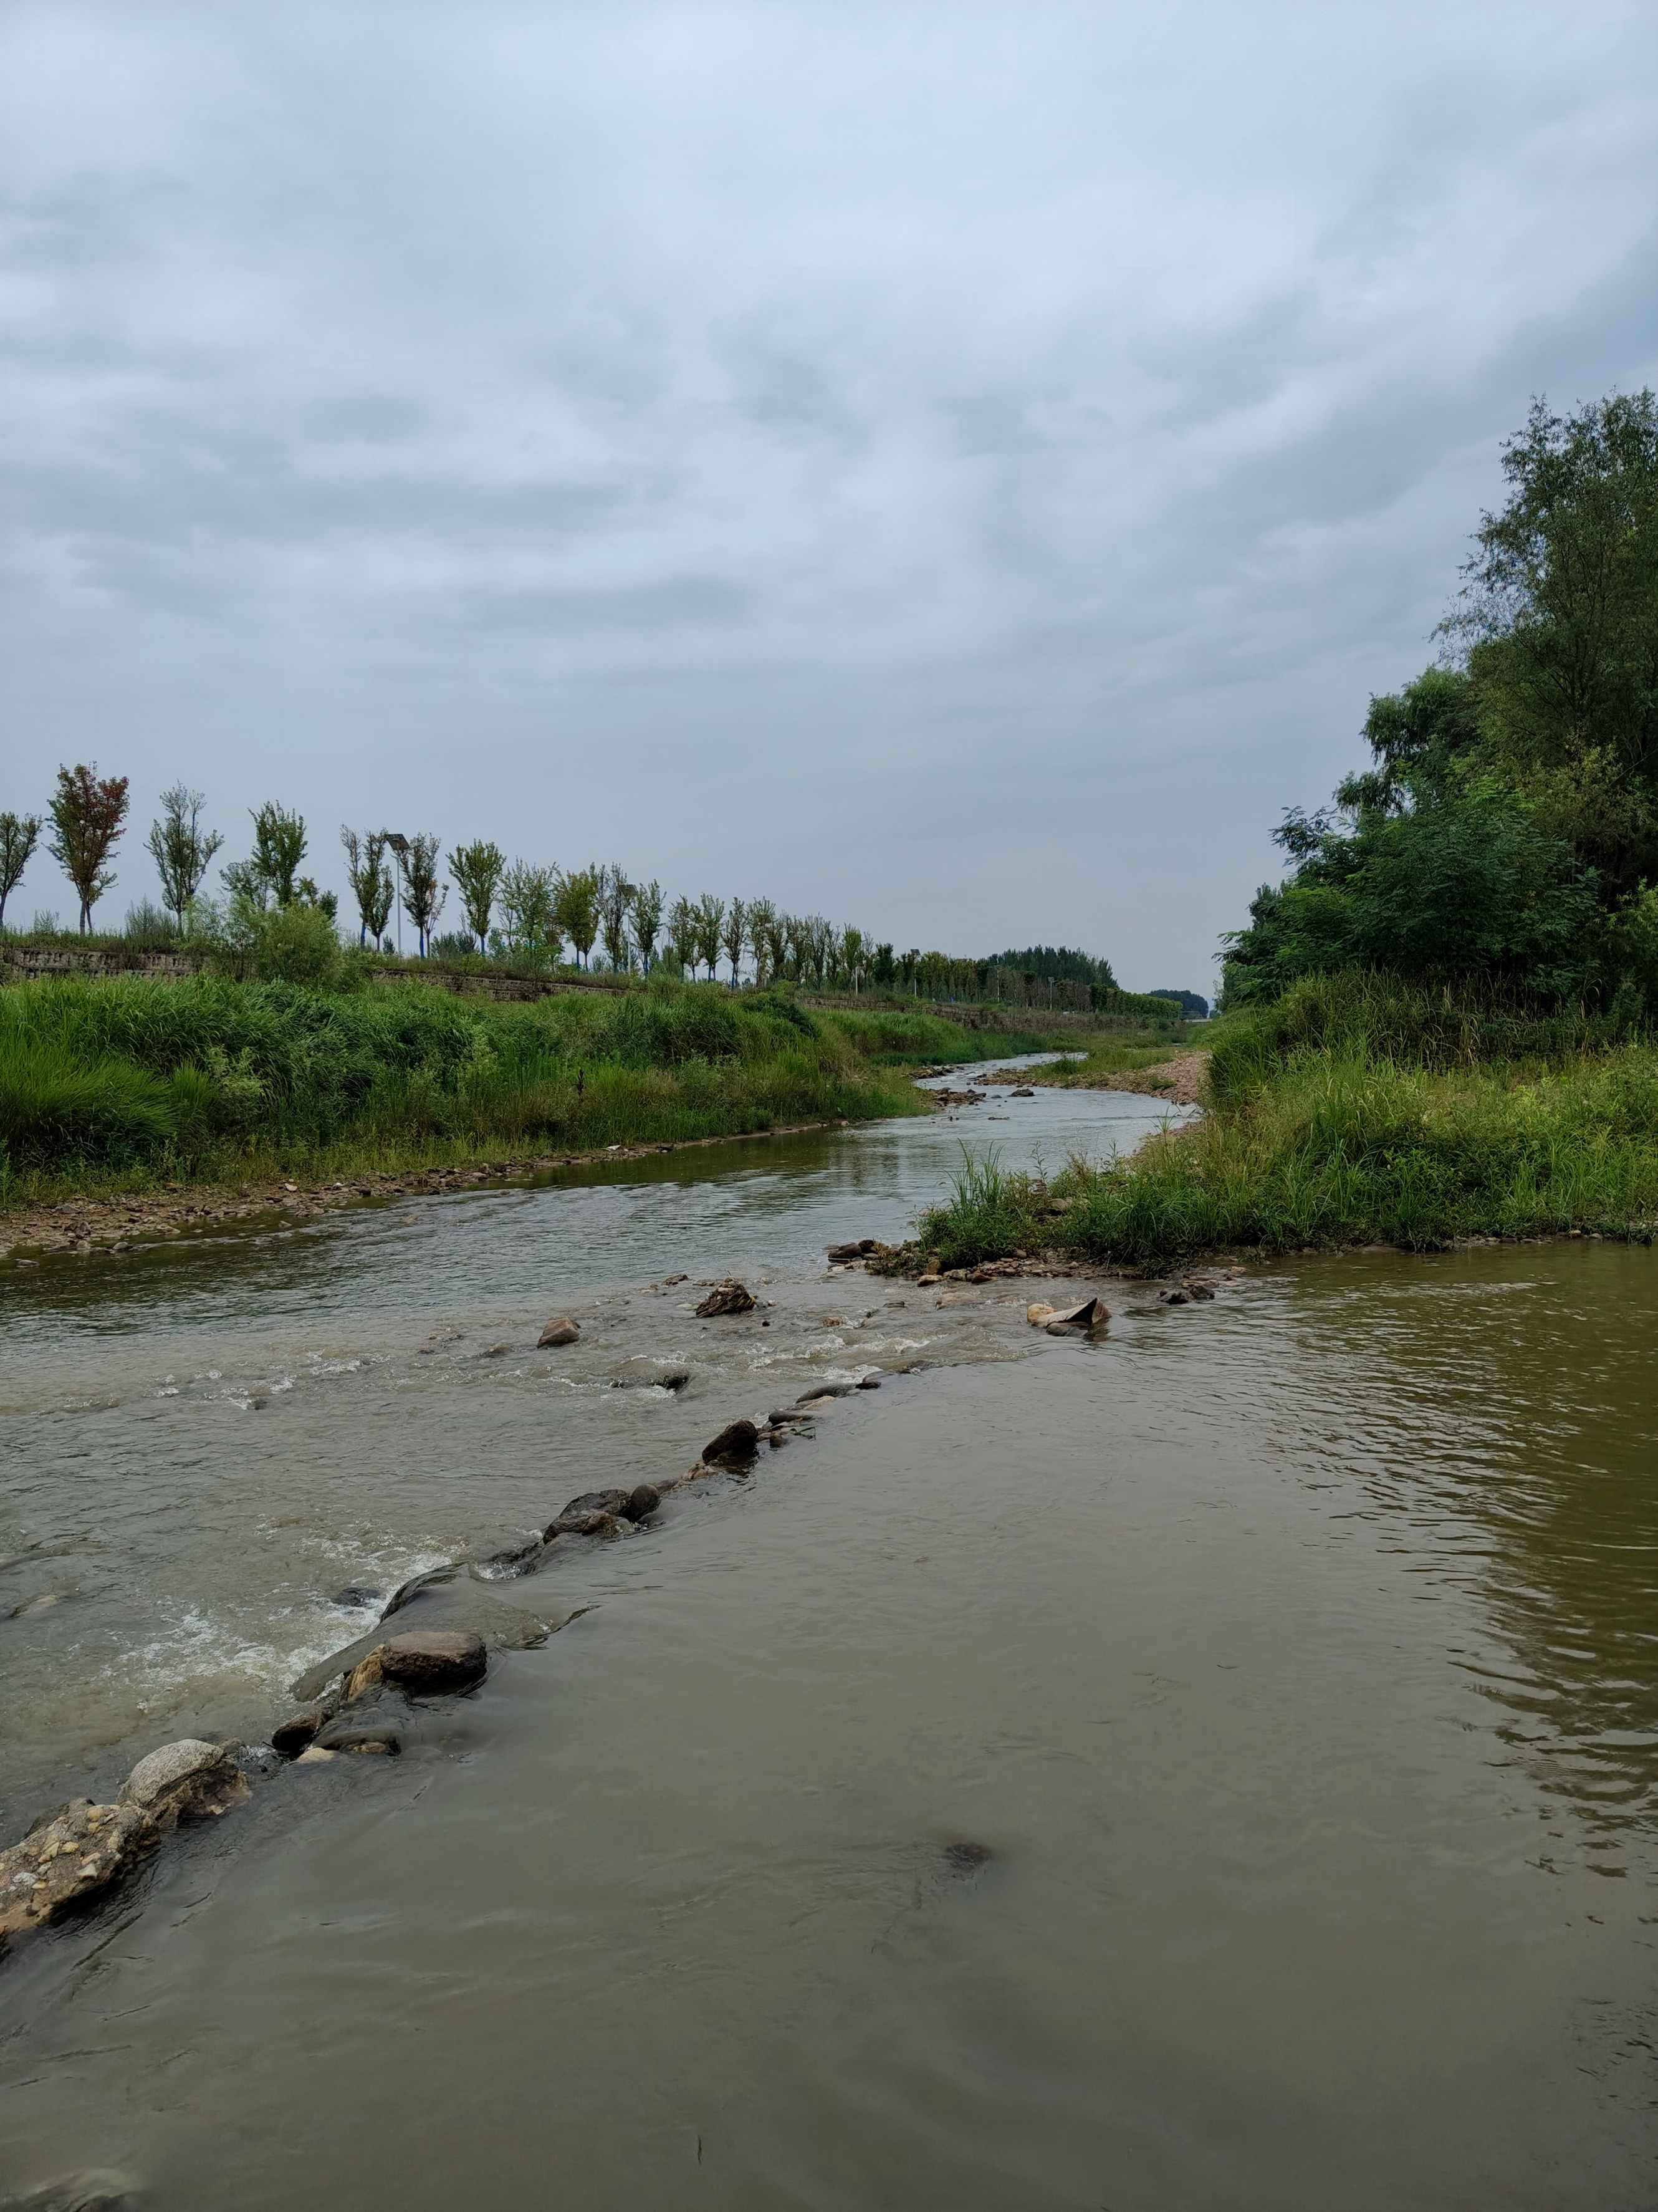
(1179, 1079)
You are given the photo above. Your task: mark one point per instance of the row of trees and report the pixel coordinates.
(1507, 826)
(515, 911)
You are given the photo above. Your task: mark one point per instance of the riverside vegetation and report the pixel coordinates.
(123, 1082)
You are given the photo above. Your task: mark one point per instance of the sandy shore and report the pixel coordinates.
(118, 1223)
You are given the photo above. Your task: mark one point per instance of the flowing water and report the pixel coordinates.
(1210, 1766)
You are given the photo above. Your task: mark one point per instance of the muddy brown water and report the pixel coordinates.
(1210, 1767)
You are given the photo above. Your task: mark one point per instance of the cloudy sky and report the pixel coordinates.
(958, 468)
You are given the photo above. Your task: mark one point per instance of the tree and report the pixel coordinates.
(776, 940)
(647, 920)
(615, 896)
(1559, 619)
(88, 814)
(682, 933)
(852, 954)
(882, 973)
(476, 871)
(371, 882)
(181, 849)
(19, 836)
(1462, 885)
(278, 848)
(762, 916)
(734, 935)
(710, 926)
(424, 896)
(527, 907)
(576, 909)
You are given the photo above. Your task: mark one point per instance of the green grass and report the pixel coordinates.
(1355, 1112)
(119, 1082)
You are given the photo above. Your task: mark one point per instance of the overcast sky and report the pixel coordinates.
(961, 469)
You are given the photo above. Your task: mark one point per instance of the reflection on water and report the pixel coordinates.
(1173, 1772)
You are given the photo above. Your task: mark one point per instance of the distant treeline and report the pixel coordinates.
(272, 919)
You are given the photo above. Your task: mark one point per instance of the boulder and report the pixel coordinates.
(81, 1849)
(727, 1298)
(190, 1780)
(861, 1250)
(425, 1663)
(642, 1501)
(733, 1446)
(825, 1391)
(299, 1730)
(561, 1329)
(354, 1595)
(871, 1381)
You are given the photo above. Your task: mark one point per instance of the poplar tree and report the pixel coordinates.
(181, 850)
(476, 871)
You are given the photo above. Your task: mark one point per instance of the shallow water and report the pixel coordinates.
(1210, 1767)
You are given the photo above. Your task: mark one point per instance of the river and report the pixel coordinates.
(1210, 1766)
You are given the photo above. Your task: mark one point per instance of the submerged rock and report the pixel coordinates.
(964, 1861)
(561, 1329)
(97, 2190)
(726, 1297)
(368, 1728)
(81, 1849)
(860, 1250)
(354, 1595)
(191, 1780)
(735, 1443)
(871, 1381)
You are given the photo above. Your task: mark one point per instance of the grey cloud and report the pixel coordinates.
(1018, 455)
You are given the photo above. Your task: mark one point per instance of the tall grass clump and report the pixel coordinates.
(213, 1075)
(1359, 1110)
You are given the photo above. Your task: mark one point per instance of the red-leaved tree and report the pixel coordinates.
(86, 816)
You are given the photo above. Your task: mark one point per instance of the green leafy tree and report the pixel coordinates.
(371, 881)
(181, 850)
(476, 871)
(1558, 620)
(882, 972)
(88, 814)
(19, 836)
(762, 917)
(710, 926)
(528, 903)
(851, 955)
(734, 935)
(577, 910)
(616, 899)
(278, 848)
(1463, 885)
(683, 933)
(424, 893)
(647, 921)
